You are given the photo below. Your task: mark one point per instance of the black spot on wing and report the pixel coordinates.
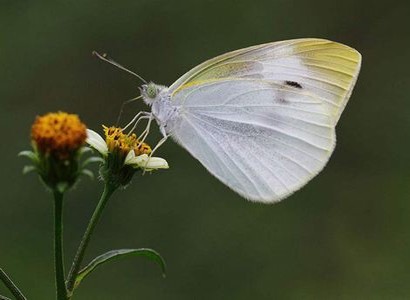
(293, 84)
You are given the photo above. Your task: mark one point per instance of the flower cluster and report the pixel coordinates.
(59, 141)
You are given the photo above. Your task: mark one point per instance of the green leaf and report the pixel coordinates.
(88, 173)
(11, 286)
(29, 154)
(28, 169)
(92, 160)
(115, 254)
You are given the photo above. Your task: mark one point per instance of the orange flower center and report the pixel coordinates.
(58, 133)
(118, 141)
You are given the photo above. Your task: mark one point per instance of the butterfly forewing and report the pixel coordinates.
(262, 119)
(327, 69)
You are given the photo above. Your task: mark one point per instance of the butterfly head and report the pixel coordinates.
(151, 92)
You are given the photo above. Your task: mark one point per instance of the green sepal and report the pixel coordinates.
(115, 254)
(115, 172)
(30, 155)
(28, 169)
(87, 173)
(62, 187)
(84, 150)
(92, 159)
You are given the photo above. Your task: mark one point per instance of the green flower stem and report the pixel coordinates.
(11, 286)
(58, 246)
(75, 268)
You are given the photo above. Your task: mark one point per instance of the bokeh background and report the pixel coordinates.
(344, 236)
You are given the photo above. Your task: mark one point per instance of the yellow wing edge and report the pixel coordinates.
(338, 60)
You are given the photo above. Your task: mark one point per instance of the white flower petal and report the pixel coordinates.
(136, 161)
(96, 141)
(143, 161)
(129, 159)
(157, 163)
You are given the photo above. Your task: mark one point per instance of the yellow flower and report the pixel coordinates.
(59, 134)
(123, 154)
(118, 141)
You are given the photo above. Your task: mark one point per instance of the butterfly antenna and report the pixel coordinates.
(122, 107)
(105, 58)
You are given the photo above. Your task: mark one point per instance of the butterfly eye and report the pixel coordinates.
(151, 90)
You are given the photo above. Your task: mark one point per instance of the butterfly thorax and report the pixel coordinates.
(159, 99)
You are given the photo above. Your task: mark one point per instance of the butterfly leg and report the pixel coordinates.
(159, 144)
(146, 117)
(136, 117)
(145, 133)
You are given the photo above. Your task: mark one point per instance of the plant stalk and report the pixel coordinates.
(58, 247)
(75, 268)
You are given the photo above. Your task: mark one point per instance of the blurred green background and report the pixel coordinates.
(344, 236)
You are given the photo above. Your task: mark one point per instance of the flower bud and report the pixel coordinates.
(57, 139)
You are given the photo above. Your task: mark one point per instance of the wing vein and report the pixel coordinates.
(227, 156)
(262, 126)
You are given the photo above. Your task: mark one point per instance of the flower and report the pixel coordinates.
(58, 140)
(58, 134)
(123, 155)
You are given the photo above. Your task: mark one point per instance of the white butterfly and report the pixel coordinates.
(260, 119)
